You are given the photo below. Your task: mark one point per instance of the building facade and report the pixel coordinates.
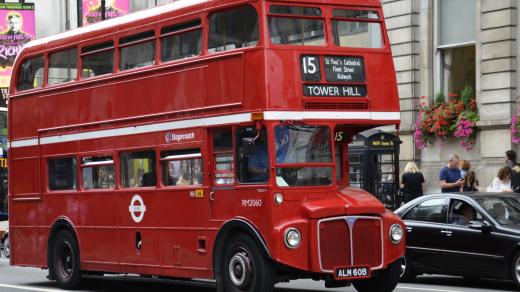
(442, 45)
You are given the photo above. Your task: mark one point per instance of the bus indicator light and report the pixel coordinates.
(257, 116)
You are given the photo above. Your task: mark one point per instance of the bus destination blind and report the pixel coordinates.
(344, 69)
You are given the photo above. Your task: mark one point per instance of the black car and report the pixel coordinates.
(475, 235)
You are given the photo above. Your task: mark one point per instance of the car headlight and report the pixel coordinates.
(293, 238)
(396, 233)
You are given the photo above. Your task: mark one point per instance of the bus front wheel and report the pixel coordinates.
(244, 268)
(384, 281)
(65, 260)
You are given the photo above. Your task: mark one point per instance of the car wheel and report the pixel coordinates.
(515, 270)
(65, 261)
(384, 281)
(244, 268)
(7, 246)
(407, 273)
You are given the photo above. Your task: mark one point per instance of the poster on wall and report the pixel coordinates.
(17, 27)
(113, 8)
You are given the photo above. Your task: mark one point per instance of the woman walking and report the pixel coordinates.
(411, 182)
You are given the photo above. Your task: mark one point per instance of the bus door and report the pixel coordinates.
(223, 175)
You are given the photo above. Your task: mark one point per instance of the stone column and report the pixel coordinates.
(402, 22)
(497, 79)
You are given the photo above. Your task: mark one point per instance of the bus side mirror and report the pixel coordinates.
(248, 146)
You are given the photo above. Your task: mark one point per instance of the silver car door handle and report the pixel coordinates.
(447, 232)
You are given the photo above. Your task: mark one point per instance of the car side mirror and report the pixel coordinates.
(479, 225)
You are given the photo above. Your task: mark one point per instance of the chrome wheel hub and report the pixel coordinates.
(240, 269)
(517, 270)
(403, 266)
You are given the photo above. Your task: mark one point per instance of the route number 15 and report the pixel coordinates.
(310, 66)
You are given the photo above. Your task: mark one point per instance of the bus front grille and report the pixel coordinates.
(354, 241)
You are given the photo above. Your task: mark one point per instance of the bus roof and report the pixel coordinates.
(167, 8)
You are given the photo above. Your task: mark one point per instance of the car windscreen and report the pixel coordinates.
(505, 210)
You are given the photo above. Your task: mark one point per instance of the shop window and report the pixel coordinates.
(181, 41)
(138, 169)
(62, 174)
(182, 167)
(137, 51)
(98, 172)
(97, 60)
(233, 29)
(63, 66)
(31, 74)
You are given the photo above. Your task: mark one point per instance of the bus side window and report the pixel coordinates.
(182, 167)
(252, 155)
(137, 51)
(63, 66)
(233, 29)
(98, 172)
(62, 174)
(223, 158)
(31, 74)
(181, 41)
(138, 169)
(97, 60)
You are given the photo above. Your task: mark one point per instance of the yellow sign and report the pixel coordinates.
(3, 162)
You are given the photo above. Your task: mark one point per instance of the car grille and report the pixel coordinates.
(350, 242)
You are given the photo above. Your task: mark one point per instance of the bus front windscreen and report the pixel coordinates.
(303, 155)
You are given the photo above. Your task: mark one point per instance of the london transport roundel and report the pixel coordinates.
(137, 208)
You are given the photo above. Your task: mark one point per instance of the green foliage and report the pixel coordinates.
(466, 95)
(439, 99)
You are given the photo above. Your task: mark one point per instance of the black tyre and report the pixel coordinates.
(7, 246)
(407, 272)
(385, 280)
(64, 261)
(244, 268)
(515, 270)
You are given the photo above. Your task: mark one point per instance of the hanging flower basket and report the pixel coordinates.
(442, 119)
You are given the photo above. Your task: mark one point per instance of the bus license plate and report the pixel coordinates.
(351, 273)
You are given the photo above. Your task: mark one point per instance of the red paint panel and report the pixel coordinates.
(367, 243)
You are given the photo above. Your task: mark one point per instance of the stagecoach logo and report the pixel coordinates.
(137, 208)
(177, 138)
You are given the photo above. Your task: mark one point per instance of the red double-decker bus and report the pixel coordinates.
(205, 139)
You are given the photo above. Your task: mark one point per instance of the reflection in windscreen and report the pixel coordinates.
(298, 144)
(296, 31)
(506, 210)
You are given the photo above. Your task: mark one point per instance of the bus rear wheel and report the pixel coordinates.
(244, 268)
(65, 264)
(385, 281)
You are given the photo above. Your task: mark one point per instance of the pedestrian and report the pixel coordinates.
(501, 183)
(465, 166)
(511, 158)
(411, 182)
(515, 179)
(470, 182)
(450, 177)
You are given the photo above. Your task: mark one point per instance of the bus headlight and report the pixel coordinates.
(293, 238)
(396, 233)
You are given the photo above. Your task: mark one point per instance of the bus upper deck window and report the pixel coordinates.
(137, 51)
(233, 29)
(287, 28)
(62, 174)
(181, 41)
(31, 74)
(63, 66)
(97, 60)
(360, 29)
